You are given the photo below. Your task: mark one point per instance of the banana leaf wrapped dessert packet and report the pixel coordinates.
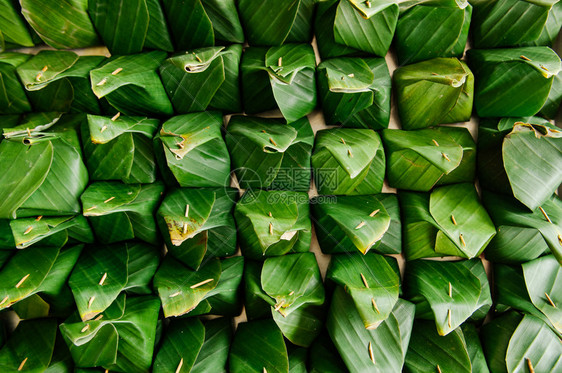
(204, 79)
(513, 82)
(191, 151)
(433, 92)
(355, 92)
(281, 78)
(120, 148)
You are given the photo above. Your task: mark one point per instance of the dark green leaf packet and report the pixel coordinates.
(355, 92)
(120, 148)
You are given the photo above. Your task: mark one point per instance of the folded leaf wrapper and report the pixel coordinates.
(120, 148)
(213, 289)
(370, 350)
(458, 351)
(372, 281)
(346, 27)
(532, 287)
(123, 340)
(271, 22)
(191, 151)
(68, 25)
(131, 84)
(41, 157)
(513, 82)
(36, 272)
(273, 223)
(449, 293)
(433, 92)
(523, 235)
(119, 212)
(511, 23)
(347, 224)
(198, 224)
(59, 81)
(266, 153)
(520, 157)
(449, 221)
(279, 78)
(513, 343)
(13, 99)
(14, 30)
(206, 78)
(50, 231)
(432, 28)
(421, 159)
(348, 162)
(104, 272)
(194, 346)
(355, 92)
(290, 289)
(258, 346)
(126, 26)
(31, 344)
(203, 23)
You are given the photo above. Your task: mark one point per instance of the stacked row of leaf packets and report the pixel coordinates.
(103, 160)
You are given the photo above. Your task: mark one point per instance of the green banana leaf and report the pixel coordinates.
(103, 272)
(355, 92)
(532, 287)
(346, 27)
(509, 23)
(41, 157)
(122, 340)
(513, 82)
(281, 78)
(448, 292)
(348, 162)
(524, 154)
(297, 359)
(266, 153)
(36, 270)
(429, 29)
(51, 232)
(68, 25)
(294, 284)
(120, 148)
(185, 291)
(449, 221)
(198, 224)
(271, 22)
(6, 239)
(195, 347)
(421, 159)
(206, 78)
(516, 343)
(273, 223)
(433, 92)
(119, 212)
(369, 350)
(257, 304)
(30, 347)
(127, 26)
(551, 107)
(59, 81)
(13, 99)
(14, 30)
(523, 235)
(374, 297)
(458, 351)
(258, 347)
(203, 23)
(324, 357)
(347, 224)
(191, 151)
(132, 86)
